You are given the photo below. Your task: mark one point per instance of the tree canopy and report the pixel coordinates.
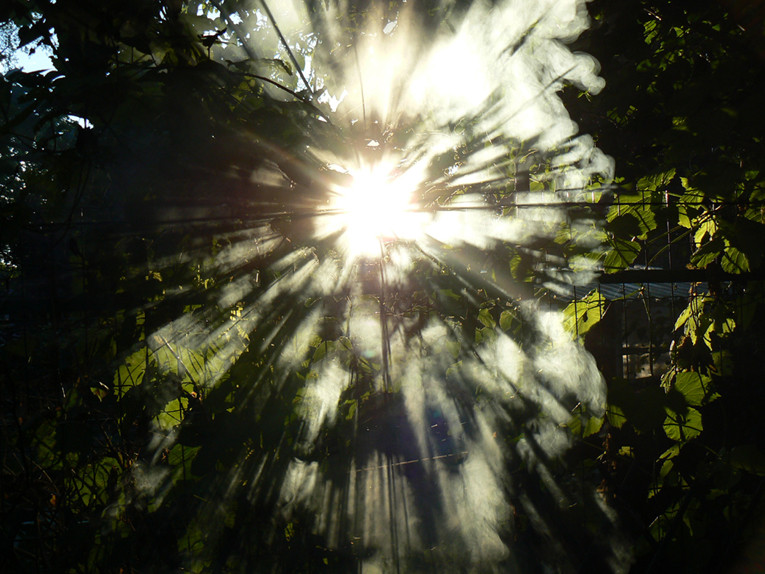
(199, 373)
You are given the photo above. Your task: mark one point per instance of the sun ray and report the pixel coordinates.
(384, 369)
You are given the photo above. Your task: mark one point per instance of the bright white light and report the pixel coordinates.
(375, 208)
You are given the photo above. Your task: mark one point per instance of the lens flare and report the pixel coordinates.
(378, 207)
(404, 394)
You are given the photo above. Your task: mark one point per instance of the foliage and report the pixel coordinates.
(119, 136)
(140, 373)
(682, 115)
(154, 358)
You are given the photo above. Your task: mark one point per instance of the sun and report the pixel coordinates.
(376, 208)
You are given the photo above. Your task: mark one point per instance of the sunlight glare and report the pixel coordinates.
(392, 298)
(377, 207)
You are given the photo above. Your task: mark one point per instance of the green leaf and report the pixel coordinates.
(615, 416)
(734, 261)
(626, 451)
(484, 316)
(506, 319)
(632, 215)
(583, 314)
(698, 327)
(454, 369)
(757, 211)
(656, 182)
(708, 227)
(622, 254)
(487, 334)
(45, 441)
(322, 350)
(670, 453)
(690, 205)
(594, 424)
(448, 294)
(683, 427)
(694, 387)
(130, 373)
(708, 253)
(352, 406)
(687, 313)
(182, 456)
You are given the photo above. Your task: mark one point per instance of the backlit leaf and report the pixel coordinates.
(682, 427)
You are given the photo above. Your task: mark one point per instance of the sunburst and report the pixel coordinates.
(389, 325)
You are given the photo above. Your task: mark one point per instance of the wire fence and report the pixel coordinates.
(41, 321)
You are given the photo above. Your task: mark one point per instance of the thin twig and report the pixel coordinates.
(286, 46)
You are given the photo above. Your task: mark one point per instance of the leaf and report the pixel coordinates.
(633, 223)
(448, 293)
(130, 373)
(670, 453)
(594, 424)
(182, 456)
(694, 387)
(734, 261)
(687, 313)
(642, 407)
(487, 334)
(708, 227)
(626, 451)
(322, 350)
(454, 369)
(506, 319)
(45, 441)
(698, 327)
(352, 406)
(277, 63)
(484, 316)
(632, 215)
(615, 416)
(689, 206)
(622, 254)
(683, 427)
(708, 253)
(656, 182)
(757, 212)
(581, 315)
